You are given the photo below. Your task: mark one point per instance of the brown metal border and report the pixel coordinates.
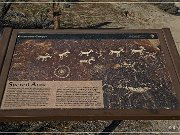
(91, 114)
(172, 50)
(170, 53)
(4, 41)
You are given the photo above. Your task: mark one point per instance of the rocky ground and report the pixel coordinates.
(94, 16)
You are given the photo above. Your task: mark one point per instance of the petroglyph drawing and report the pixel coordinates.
(89, 61)
(117, 53)
(138, 89)
(140, 51)
(129, 64)
(86, 53)
(44, 58)
(65, 54)
(152, 55)
(62, 71)
(133, 72)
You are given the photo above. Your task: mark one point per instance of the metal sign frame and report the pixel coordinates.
(171, 56)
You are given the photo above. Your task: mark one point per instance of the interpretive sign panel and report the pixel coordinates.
(56, 94)
(91, 74)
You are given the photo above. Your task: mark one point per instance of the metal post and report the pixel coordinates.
(56, 15)
(109, 129)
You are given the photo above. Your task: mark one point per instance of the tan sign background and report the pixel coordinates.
(53, 94)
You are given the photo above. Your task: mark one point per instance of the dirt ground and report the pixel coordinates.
(140, 16)
(112, 15)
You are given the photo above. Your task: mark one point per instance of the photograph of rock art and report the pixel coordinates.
(132, 59)
(133, 71)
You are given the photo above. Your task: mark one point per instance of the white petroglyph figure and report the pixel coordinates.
(62, 71)
(138, 51)
(44, 58)
(150, 55)
(118, 52)
(129, 65)
(65, 54)
(89, 61)
(86, 53)
(138, 89)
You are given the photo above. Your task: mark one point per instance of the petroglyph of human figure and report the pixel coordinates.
(89, 61)
(117, 52)
(140, 51)
(65, 54)
(86, 53)
(44, 57)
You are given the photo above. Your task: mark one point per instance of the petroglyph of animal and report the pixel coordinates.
(138, 89)
(44, 58)
(65, 54)
(140, 51)
(86, 53)
(118, 52)
(89, 61)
